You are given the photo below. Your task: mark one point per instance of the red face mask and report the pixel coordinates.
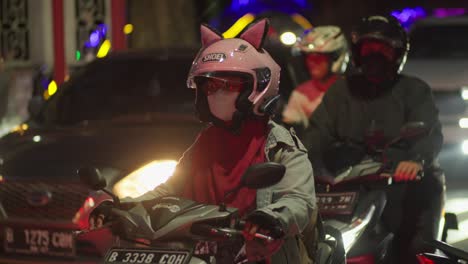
(316, 58)
(369, 47)
(318, 65)
(377, 61)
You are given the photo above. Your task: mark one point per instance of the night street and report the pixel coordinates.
(233, 131)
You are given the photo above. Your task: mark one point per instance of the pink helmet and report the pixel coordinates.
(243, 55)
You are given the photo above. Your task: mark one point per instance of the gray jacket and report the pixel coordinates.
(343, 116)
(291, 201)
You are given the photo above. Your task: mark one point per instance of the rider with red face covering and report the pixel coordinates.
(325, 54)
(235, 80)
(370, 107)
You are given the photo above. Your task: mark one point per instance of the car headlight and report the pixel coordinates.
(464, 147)
(145, 178)
(463, 123)
(464, 93)
(352, 233)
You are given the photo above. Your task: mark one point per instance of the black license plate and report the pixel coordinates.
(147, 256)
(39, 241)
(336, 203)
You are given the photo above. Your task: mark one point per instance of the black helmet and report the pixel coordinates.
(383, 28)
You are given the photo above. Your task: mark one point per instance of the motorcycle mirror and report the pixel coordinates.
(413, 129)
(258, 176)
(92, 178)
(263, 175)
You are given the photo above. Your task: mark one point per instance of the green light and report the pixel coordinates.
(78, 55)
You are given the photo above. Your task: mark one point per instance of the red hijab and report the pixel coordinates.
(219, 160)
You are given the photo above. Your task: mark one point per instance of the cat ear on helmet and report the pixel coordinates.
(256, 33)
(209, 35)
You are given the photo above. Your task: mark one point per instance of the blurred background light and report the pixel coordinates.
(302, 21)
(446, 12)
(407, 16)
(465, 147)
(128, 29)
(52, 88)
(104, 49)
(239, 25)
(288, 38)
(463, 123)
(96, 36)
(464, 93)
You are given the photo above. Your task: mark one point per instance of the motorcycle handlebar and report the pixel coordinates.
(115, 214)
(86, 231)
(225, 233)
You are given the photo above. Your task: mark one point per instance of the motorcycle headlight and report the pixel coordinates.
(352, 233)
(145, 178)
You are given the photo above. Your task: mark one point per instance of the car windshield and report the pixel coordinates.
(120, 86)
(439, 41)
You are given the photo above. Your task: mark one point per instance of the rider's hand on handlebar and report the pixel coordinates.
(407, 171)
(100, 215)
(262, 223)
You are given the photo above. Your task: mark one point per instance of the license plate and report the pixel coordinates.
(336, 203)
(39, 241)
(147, 256)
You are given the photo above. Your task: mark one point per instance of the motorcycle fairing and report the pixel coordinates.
(164, 209)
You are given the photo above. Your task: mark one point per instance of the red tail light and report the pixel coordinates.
(424, 260)
(366, 259)
(79, 218)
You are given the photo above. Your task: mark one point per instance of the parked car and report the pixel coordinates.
(129, 114)
(439, 56)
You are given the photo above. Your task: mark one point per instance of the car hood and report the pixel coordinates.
(446, 75)
(57, 153)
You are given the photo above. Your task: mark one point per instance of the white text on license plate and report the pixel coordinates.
(147, 256)
(38, 241)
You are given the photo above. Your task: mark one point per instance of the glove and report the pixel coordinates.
(100, 215)
(259, 249)
(263, 223)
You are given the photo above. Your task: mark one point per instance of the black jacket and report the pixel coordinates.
(351, 105)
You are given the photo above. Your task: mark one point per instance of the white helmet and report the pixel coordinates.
(327, 40)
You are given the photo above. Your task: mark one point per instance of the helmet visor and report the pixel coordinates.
(210, 84)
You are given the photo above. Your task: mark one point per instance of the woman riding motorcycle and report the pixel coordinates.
(234, 80)
(325, 55)
(371, 107)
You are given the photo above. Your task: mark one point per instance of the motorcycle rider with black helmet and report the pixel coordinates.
(371, 105)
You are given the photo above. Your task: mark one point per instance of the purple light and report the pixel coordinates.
(446, 12)
(44, 82)
(301, 3)
(94, 39)
(408, 16)
(102, 29)
(96, 36)
(237, 4)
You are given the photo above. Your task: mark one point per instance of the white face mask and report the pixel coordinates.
(223, 104)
